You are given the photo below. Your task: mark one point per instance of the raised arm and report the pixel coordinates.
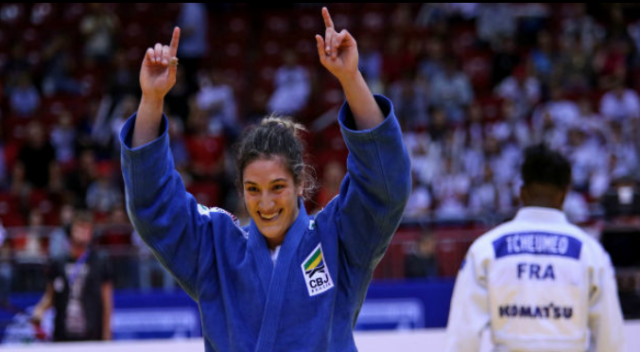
(166, 216)
(338, 53)
(157, 77)
(377, 185)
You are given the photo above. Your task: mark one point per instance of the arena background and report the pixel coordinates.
(473, 84)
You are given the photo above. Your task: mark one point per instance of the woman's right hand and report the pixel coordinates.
(36, 317)
(159, 66)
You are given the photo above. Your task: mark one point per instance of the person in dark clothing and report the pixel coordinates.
(36, 156)
(79, 288)
(421, 263)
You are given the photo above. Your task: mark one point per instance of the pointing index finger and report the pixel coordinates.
(327, 18)
(175, 39)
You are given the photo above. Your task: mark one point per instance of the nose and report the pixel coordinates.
(266, 201)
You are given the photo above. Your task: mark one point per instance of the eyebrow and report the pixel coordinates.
(274, 181)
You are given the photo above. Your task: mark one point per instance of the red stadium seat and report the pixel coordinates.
(477, 65)
(277, 24)
(491, 107)
(206, 193)
(236, 26)
(206, 152)
(44, 15)
(10, 214)
(451, 247)
(307, 23)
(13, 15)
(373, 22)
(392, 264)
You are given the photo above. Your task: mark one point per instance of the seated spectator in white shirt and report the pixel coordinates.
(292, 87)
(620, 104)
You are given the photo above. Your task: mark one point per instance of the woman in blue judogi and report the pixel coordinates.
(287, 281)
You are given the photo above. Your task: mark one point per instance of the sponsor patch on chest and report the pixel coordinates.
(316, 273)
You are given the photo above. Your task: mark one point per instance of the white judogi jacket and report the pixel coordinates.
(541, 284)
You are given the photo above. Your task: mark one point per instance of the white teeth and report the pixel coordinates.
(269, 217)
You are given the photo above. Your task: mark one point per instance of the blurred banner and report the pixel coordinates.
(392, 305)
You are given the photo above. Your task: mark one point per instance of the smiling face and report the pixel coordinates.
(271, 196)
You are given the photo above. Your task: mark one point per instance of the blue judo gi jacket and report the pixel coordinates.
(311, 299)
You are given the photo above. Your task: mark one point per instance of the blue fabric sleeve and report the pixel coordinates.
(164, 214)
(376, 188)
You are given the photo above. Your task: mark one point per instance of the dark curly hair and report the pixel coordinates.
(276, 137)
(543, 165)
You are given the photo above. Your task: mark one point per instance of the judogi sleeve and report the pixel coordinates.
(469, 313)
(375, 190)
(167, 218)
(605, 316)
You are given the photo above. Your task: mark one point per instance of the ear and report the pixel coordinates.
(300, 189)
(562, 196)
(524, 195)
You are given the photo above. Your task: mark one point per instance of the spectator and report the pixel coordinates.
(421, 262)
(194, 44)
(484, 197)
(584, 157)
(410, 97)
(559, 111)
(543, 57)
(149, 266)
(451, 91)
(98, 28)
(63, 138)
(59, 239)
(28, 244)
(102, 195)
(292, 87)
(370, 63)
(216, 99)
(332, 176)
(78, 180)
(206, 147)
(432, 64)
(425, 155)
(24, 98)
(575, 207)
(16, 67)
(522, 89)
(115, 237)
(575, 68)
(121, 79)
(419, 204)
(581, 27)
(623, 147)
(499, 156)
(177, 144)
(505, 59)
(490, 30)
(29, 251)
(125, 108)
(620, 104)
(396, 59)
(79, 288)
(59, 68)
(450, 190)
(178, 99)
(36, 155)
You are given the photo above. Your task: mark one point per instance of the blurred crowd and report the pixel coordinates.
(472, 85)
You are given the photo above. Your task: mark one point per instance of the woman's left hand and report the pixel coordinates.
(338, 52)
